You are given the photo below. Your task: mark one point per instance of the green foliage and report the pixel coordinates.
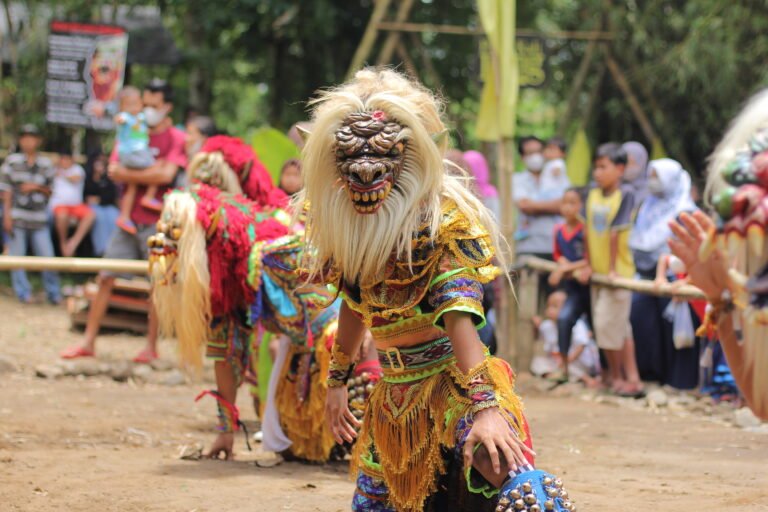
(692, 65)
(256, 62)
(273, 148)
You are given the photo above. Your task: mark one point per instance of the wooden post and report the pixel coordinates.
(528, 292)
(506, 303)
(369, 37)
(393, 38)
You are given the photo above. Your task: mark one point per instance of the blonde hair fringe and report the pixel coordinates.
(182, 301)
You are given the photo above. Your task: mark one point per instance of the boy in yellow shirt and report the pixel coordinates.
(609, 213)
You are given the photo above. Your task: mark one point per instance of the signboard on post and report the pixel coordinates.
(86, 67)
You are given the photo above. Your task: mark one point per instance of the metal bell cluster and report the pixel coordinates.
(358, 390)
(523, 498)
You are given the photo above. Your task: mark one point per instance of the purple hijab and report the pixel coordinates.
(478, 165)
(636, 175)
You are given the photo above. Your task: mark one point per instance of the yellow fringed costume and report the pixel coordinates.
(420, 407)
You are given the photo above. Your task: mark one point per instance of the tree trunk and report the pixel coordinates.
(11, 44)
(201, 76)
(279, 52)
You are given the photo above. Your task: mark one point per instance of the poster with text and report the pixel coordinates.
(86, 67)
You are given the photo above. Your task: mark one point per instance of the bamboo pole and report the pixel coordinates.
(478, 31)
(594, 95)
(410, 66)
(73, 265)
(80, 159)
(629, 95)
(506, 303)
(369, 37)
(393, 38)
(686, 291)
(576, 87)
(429, 67)
(525, 338)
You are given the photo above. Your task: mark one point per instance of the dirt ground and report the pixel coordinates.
(87, 444)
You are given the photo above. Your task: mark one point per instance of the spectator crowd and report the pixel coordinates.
(617, 226)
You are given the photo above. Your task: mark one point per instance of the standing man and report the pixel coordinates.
(537, 196)
(25, 181)
(167, 142)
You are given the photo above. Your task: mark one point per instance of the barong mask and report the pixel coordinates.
(163, 248)
(370, 150)
(743, 209)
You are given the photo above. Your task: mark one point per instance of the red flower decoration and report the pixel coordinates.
(379, 115)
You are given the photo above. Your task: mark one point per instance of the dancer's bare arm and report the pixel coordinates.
(349, 338)
(490, 429)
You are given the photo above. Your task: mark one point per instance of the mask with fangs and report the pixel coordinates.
(370, 150)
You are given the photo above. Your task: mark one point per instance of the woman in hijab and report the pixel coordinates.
(488, 194)
(635, 173)
(669, 189)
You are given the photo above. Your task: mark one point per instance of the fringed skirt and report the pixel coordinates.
(300, 398)
(414, 428)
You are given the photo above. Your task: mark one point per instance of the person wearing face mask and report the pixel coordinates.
(537, 195)
(636, 172)
(167, 143)
(669, 189)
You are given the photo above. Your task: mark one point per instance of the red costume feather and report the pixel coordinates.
(232, 224)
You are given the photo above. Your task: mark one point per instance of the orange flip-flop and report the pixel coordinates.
(146, 356)
(153, 204)
(75, 352)
(127, 226)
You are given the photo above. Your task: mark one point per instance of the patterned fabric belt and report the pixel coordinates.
(397, 361)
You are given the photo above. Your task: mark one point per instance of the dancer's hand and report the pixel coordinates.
(710, 276)
(491, 430)
(341, 420)
(222, 446)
